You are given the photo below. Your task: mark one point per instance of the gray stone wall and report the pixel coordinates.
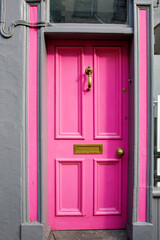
(13, 137)
(12, 124)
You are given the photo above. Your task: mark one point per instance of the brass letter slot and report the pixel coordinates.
(88, 148)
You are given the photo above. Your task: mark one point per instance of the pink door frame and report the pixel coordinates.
(32, 117)
(142, 211)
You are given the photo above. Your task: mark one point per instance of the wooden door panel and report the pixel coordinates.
(107, 187)
(107, 74)
(69, 187)
(68, 75)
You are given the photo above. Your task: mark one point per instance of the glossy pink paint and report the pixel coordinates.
(103, 128)
(143, 115)
(102, 203)
(32, 117)
(65, 185)
(64, 100)
(87, 191)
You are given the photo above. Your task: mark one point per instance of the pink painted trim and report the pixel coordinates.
(143, 115)
(32, 117)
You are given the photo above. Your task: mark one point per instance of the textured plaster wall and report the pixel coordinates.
(11, 125)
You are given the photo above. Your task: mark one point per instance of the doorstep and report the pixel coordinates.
(89, 235)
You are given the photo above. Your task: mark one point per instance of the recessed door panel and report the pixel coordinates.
(69, 187)
(108, 116)
(107, 187)
(68, 74)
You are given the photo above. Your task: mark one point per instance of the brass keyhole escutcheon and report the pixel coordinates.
(89, 71)
(120, 152)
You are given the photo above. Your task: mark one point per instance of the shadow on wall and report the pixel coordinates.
(0, 9)
(157, 39)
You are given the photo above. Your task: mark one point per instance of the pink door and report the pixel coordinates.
(87, 179)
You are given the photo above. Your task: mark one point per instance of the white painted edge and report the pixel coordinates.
(158, 166)
(158, 125)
